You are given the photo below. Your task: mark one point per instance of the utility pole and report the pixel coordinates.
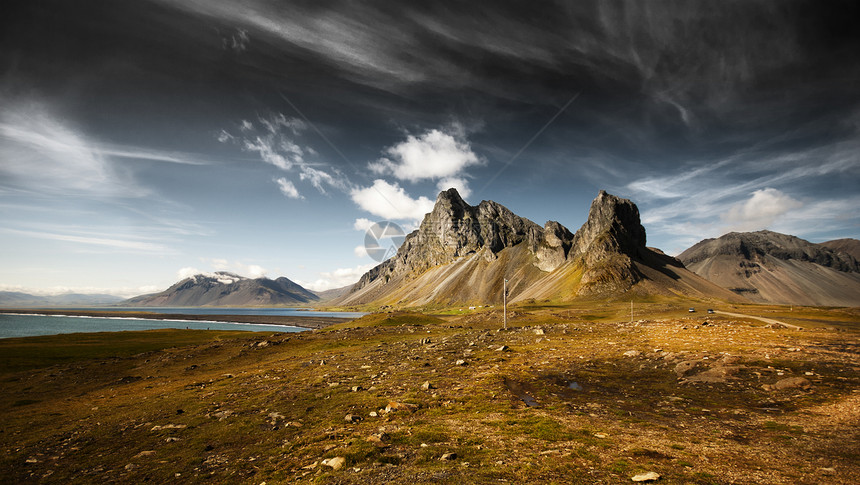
(505, 302)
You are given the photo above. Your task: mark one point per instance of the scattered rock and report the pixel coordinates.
(503, 348)
(144, 453)
(352, 418)
(356, 388)
(646, 477)
(169, 426)
(601, 435)
(632, 353)
(827, 471)
(449, 457)
(335, 463)
(792, 383)
(373, 414)
(686, 367)
(378, 439)
(263, 344)
(427, 386)
(426, 340)
(223, 414)
(538, 331)
(460, 362)
(400, 406)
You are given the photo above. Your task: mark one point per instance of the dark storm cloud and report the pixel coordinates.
(689, 107)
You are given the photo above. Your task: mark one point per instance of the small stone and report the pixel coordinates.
(335, 463)
(827, 471)
(378, 438)
(646, 477)
(400, 406)
(538, 331)
(373, 414)
(631, 353)
(460, 362)
(601, 435)
(144, 453)
(356, 388)
(427, 386)
(449, 457)
(792, 383)
(352, 418)
(503, 348)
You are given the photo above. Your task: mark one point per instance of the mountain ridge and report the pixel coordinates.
(770, 267)
(227, 289)
(463, 254)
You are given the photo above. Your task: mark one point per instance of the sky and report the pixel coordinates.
(143, 141)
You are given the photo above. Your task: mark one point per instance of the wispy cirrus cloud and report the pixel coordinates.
(764, 187)
(125, 245)
(46, 154)
(276, 139)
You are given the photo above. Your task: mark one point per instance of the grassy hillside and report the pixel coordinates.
(572, 393)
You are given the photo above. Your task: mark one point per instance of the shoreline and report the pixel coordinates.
(312, 323)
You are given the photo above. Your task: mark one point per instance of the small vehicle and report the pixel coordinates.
(710, 310)
(692, 310)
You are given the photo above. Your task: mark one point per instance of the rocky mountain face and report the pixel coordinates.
(770, 267)
(848, 246)
(463, 253)
(227, 289)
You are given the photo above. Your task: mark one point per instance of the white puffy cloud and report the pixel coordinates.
(390, 201)
(760, 211)
(221, 264)
(459, 183)
(362, 224)
(187, 272)
(437, 154)
(337, 278)
(288, 189)
(360, 251)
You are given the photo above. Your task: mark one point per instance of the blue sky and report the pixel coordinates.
(142, 141)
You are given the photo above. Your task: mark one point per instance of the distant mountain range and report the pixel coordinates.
(461, 254)
(227, 289)
(769, 267)
(14, 299)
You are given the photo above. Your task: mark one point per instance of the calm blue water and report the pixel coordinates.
(32, 325)
(291, 312)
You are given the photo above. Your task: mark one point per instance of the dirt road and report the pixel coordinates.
(763, 319)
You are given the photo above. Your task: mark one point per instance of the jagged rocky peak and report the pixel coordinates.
(613, 226)
(554, 246)
(454, 228)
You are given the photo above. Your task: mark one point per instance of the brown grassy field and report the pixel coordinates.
(568, 394)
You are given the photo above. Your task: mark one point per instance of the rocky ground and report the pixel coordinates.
(396, 398)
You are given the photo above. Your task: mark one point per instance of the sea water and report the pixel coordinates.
(12, 325)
